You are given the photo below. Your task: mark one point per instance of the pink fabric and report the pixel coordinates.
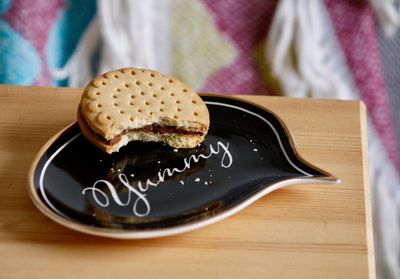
(245, 23)
(33, 20)
(355, 27)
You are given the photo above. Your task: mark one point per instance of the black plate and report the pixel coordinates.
(247, 153)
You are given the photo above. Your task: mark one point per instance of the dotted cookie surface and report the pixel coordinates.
(128, 98)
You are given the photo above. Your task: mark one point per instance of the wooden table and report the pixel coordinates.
(316, 231)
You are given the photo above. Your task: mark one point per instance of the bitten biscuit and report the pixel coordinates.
(136, 104)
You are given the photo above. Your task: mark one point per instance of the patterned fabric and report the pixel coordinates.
(361, 49)
(245, 23)
(223, 40)
(389, 52)
(36, 36)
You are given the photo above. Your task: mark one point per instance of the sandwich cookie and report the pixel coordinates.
(141, 105)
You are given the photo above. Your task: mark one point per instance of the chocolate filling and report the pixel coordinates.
(154, 129)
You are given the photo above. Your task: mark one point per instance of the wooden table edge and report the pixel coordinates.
(241, 95)
(367, 191)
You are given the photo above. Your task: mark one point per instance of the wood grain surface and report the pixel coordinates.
(308, 231)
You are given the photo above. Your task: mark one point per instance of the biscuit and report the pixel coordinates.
(137, 104)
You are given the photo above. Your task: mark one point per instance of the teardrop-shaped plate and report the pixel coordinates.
(151, 190)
